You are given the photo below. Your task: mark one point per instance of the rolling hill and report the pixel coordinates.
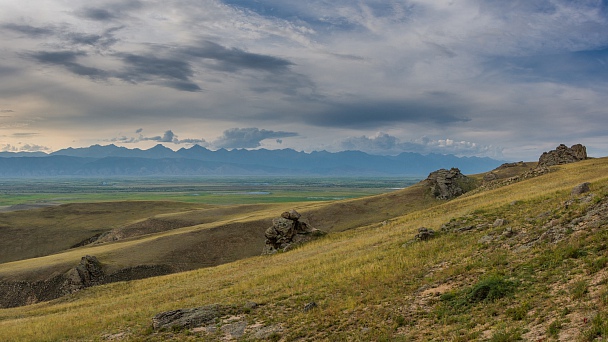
(520, 258)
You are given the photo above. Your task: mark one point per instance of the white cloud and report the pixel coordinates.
(383, 143)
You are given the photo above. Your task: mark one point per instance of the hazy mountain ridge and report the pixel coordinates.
(112, 160)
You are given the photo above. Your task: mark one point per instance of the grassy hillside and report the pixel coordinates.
(540, 276)
(180, 235)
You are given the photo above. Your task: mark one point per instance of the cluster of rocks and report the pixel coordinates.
(595, 216)
(424, 234)
(492, 175)
(563, 155)
(447, 184)
(288, 232)
(460, 226)
(491, 182)
(215, 319)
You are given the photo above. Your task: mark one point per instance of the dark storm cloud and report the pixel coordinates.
(376, 114)
(248, 137)
(111, 12)
(277, 74)
(168, 72)
(66, 34)
(28, 30)
(181, 85)
(68, 60)
(57, 57)
(174, 68)
(236, 59)
(96, 14)
(103, 40)
(139, 67)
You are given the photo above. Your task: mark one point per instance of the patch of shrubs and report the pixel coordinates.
(488, 289)
(491, 289)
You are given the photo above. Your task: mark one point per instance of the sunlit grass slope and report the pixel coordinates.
(374, 284)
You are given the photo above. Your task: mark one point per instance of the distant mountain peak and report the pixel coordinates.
(160, 147)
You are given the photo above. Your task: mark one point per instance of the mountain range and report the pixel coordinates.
(112, 160)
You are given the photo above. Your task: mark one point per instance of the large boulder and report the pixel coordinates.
(287, 232)
(563, 155)
(447, 184)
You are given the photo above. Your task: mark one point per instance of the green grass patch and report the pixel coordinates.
(491, 289)
(598, 329)
(579, 289)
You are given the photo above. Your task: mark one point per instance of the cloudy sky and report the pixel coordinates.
(504, 79)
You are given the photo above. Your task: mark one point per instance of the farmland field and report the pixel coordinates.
(208, 190)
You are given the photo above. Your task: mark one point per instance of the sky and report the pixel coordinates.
(488, 78)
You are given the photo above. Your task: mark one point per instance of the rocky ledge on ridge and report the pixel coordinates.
(563, 155)
(89, 272)
(448, 184)
(288, 232)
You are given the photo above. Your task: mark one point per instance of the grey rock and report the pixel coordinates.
(310, 306)
(425, 234)
(488, 177)
(235, 330)
(447, 184)
(190, 318)
(563, 155)
(265, 332)
(291, 215)
(508, 232)
(288, 232)
(486, 239)
(89, 270)
(580, 189)
(499, 222)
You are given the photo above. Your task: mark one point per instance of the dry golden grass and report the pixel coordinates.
(370, 287)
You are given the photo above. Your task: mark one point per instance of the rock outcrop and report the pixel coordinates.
(217, 322)
(447, 184)
(563, 155)
(89, 272)
(287, 232)
(189, 318)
